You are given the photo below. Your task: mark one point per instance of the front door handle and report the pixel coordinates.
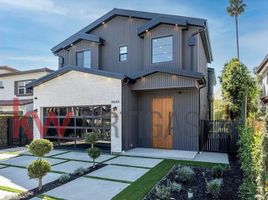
(169, 123)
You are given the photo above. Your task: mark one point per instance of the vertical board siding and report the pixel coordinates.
(70, 56)
(162, 80)
(129, 118)
(117, 32)
(185, 118)
(162, 31)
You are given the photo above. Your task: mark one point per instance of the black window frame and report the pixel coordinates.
(122, 54)
(83, 51)
(152, 39)
(16, 88)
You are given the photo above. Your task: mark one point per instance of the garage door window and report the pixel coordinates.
(83, 119)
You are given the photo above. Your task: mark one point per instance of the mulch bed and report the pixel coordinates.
(49, 186)
(231, 181)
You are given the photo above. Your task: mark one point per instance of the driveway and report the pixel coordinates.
(102, 184)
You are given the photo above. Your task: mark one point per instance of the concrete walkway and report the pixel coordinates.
(211, 157)
(162, 153)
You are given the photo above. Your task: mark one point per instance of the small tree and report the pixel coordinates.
(39, 168)
(40, 147)
(93, 152)
(91, 138)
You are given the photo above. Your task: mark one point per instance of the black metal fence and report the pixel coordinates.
(219, 136)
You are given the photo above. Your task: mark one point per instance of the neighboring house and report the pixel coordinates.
(12, 85)
(262, 72)
(148, 69)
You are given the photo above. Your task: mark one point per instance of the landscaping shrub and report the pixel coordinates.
(175, 187)
(218, 170)
(40, 147)
(184, 174)
(80, 171)
(94, 153)
(38, 169)
(64, 177)
(91, 138)
(163, 192)
(214, 187)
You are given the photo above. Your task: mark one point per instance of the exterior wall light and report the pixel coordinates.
(147, 31)
(35, 110)
(103, 23)
(115, 109)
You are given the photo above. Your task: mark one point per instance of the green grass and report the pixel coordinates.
(9, 189)
(107, 179)
(143, 185)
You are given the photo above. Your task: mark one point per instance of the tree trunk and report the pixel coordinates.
(40, 184)
(237, 42)
(93, 163)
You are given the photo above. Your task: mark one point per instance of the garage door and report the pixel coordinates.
(68, 125)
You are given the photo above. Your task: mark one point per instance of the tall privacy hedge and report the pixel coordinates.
(3, 130)
(253, 157)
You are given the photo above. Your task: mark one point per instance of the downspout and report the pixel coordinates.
(199, 116)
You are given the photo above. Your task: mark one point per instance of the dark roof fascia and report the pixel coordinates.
(184, 73)
(76, 38)
(206, 42)
(163, 19)
(74, 68)
(27, 72)
(262, 65)
(144, 15)
(9, 68)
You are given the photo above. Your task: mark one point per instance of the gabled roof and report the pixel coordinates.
(178, 72)
(262, 65)
(76, 38)
(8, 68)
(11, 102)
(74, 68)
(155, 19)
(27, 72)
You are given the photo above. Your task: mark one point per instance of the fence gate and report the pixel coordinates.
(219, 136)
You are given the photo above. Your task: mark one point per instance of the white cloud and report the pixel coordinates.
(32, 58)
(37, 5)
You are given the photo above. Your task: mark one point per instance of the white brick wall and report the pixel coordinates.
(81, 89)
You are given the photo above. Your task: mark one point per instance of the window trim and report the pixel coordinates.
(159, 37)
(83, 50)
(119, 54)
(16, 88)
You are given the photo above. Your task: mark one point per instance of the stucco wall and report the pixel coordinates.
(7, 93)
(81, 89)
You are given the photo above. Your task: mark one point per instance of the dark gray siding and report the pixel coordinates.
(161, 31)
(186, 115)
(163, 81)
(70, 56)
(117, 32)
(129, 117)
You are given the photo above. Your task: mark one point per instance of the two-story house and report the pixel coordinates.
(13, 85)
(139, 79)
(262, 72)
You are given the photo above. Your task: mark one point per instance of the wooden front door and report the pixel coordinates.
(162, 122)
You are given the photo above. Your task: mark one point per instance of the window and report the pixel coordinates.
(20, 88)
(1, 85)
(61, 61)
(83, 59)
(123, 54)
(162, 49)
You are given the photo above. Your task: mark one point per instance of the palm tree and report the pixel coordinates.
(236, 8)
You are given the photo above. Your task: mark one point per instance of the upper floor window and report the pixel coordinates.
(1, 85)
(123, 53)
(162, 49)
(20, 88)
(83, 59)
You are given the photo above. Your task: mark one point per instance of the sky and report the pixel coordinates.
(30, 28)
